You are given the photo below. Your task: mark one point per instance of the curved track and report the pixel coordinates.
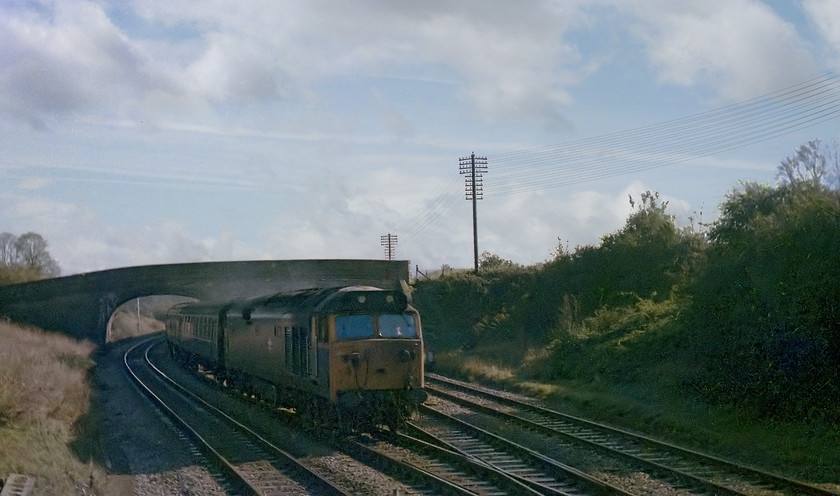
(252, 465)
(684, 469)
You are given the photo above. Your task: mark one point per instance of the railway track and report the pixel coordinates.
(249, 464)
(685, 470)
(442, 454)
(539, 473)
(443, 470)
(423, 467)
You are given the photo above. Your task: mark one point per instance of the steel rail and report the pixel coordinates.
(476, 476)
(440, 484)
(302, 468)
(231, 473)
(543, 474)
(312, 477)
(587, 433)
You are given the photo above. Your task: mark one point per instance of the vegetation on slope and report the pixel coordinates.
(45, 425)
(749, 312)
(731, 331)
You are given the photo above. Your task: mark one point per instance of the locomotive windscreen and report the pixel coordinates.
(364, 326)
(354, 327)
(397, 325)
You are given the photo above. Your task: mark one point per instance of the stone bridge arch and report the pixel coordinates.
(81, 305)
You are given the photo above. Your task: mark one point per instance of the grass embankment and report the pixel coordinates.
(638, 376)
(45, 420)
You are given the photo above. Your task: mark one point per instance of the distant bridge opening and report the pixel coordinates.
(140, 316)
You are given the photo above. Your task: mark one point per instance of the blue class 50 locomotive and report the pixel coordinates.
(353, 355)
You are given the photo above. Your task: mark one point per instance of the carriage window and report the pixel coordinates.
(393, 325)
(354, 326)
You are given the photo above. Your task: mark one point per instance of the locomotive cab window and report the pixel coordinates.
(354, 327)
(364, 326)
(395, 325)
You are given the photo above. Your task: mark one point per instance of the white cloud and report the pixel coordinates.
(526, 229)
(235, 69)
(34, 183)
(825, 14)
(82, 242)
(71, 60)
(740, 48)
(511, 62)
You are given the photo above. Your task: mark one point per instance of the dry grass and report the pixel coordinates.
(474, 367)
(45, 396)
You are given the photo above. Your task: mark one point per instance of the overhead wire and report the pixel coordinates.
(427, 219)
(671, 142)
(675, 141)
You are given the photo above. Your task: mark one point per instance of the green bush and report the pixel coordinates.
(766, 310)
(746, 315)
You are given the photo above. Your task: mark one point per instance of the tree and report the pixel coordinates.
(32, 254)
(832, 156)
(8, 252)
(806, 166)
(648, 258)
(25, 258)
(491, 261)
(765, 309)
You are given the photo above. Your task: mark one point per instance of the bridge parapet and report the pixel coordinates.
(81, 305)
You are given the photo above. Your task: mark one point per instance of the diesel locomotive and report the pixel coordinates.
(351, 355)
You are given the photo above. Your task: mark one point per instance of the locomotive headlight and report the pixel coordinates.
(361, 298)
(389, 299)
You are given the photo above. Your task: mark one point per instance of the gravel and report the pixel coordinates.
(145, 455)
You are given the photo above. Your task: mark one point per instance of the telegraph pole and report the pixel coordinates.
(474, 168)
(389, 241)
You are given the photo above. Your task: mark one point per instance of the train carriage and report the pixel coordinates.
(193, 330)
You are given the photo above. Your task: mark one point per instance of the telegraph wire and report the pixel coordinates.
(676, 141)
(611, 162)
(823, 84)
(656, 145)
(671, 131)
(425, 221)
(713, 122)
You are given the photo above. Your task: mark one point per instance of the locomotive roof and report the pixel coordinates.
(346, 298)
(317, 298)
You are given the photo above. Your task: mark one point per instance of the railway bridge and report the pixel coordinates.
(82, 305)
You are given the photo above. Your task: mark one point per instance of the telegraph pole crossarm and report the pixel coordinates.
(389, 241)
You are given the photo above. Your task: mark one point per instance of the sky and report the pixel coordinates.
(170, 131)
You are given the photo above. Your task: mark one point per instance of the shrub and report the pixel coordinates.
(767, 309)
